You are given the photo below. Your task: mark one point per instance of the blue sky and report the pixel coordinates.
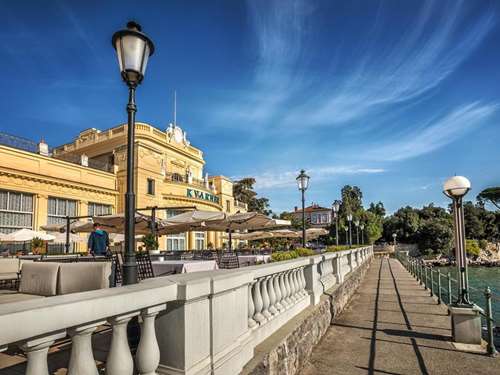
(392, 96)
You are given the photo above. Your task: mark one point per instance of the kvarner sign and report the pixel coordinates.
(191, 193)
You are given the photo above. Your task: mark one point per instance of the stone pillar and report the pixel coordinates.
(40, 210)
(313, 286)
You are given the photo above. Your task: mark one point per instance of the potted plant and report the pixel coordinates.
(37, 246)
(151, 244)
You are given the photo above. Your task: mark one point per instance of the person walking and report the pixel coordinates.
(98, 241)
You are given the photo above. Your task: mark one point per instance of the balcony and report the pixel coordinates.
(178, 178)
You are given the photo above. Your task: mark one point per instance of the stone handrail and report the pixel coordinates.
(196, 323)
(35, 324)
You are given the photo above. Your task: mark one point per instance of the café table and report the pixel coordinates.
(182, 266)
(248, 259)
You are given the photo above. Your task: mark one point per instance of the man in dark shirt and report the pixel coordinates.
(98, 241)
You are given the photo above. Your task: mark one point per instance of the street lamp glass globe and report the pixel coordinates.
(356, 222)
(336, 206)
(133, 49)
(349, 217)
(394, 235)
(302, 180)
(456, 186)
(362, 226)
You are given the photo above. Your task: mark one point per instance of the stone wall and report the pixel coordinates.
(287, 350)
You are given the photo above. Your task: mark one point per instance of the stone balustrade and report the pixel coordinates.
(196, 323)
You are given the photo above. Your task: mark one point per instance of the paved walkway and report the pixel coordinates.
(392, 326)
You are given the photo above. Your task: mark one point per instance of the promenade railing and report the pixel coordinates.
(201, 322)
(442, 286)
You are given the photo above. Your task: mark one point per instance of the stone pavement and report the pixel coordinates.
(393, 326)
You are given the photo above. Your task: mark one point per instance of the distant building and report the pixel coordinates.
(316, 216)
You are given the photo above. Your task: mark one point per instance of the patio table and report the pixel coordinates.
(183, 266)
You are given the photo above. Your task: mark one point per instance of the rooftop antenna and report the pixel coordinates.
(175, 108)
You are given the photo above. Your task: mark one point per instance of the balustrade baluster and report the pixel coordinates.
(251, 307)
(272, 295)
(36, 352)
(258, 304)
(148, 352)
(265, 299)
(295, 285)
(288, 287)
(119, 361)
(303, 282)
(81, 361)
(277, 290)
(284, 292)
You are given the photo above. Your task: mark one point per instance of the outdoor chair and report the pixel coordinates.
(229, 261)
(116, 265)
(144, 266)
(9, 273)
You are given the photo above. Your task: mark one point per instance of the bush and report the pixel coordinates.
(150, 242)
(472, 247)
(284, 255)
(332, 249)
(483, 244)
(303, 252)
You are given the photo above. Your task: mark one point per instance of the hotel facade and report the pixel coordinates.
(41, 186)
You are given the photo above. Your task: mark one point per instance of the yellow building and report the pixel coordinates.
(88, 177)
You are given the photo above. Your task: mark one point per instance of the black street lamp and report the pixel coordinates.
(356, 223)
(133, 49)
(455, 188)
(349, 219)
(335, 212)
(303, 184)
(346, 235)
(362, 227)
(394, 236)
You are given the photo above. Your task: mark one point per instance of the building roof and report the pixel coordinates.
(312, 208)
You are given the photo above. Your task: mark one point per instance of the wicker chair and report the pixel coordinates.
(229, 260)
(144, 266)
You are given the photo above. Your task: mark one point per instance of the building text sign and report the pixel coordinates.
(191, 193)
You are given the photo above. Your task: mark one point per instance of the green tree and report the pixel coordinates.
(243, 192)
(491, 195)
(373, 226)
(435, 236)
(351, 200)
(405, 222)
(377, 209)
(296, 222)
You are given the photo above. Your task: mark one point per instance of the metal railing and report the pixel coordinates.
(182, 179)
(432, 280)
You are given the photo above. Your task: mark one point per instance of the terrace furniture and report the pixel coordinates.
(9, 271)
(229, 261)
(46, 279)
(144, 267)
(169, 267)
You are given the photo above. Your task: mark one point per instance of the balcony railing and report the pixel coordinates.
(182, 179)
(190, 323)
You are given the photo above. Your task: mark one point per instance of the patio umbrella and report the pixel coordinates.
(245, 221)
(61, 238)
(2, 236)
(312, 233)
(190, 220)
(24, 235)
(75, 227)
(285, 233)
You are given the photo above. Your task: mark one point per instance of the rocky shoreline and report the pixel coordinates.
(445, 262)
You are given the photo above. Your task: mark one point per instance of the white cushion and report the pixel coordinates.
(39, 278)
(81, 277)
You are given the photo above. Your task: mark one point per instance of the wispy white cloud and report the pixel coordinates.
(269, 180)
(414, 66)
(434, 134)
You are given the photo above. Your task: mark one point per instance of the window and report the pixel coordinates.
(16, 211)
(199, 240)
(314, 219)
(324, 218)
(98, 209)
(151, 186)
(175, 242)
(59, 208)
(228, 205)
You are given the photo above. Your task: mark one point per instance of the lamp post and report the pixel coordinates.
(346, 235)
(394, 235)
(133, 49)
(303, 184)
(356, 223)
(335, 211)
(349, 219)
(362, 227)
(455, 188)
